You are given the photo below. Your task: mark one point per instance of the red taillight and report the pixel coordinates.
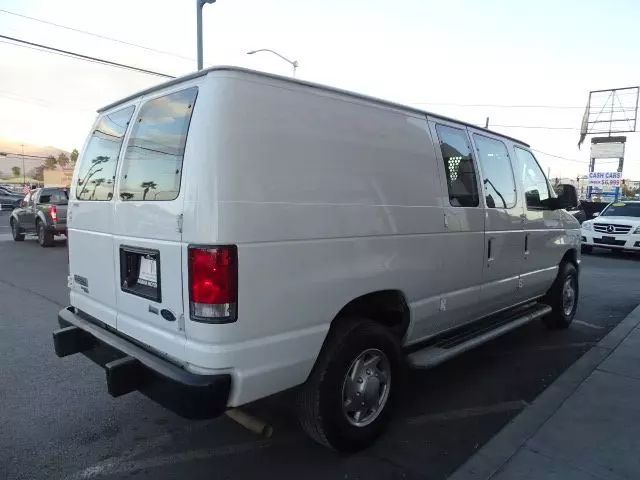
(53, 211)
(213, 283)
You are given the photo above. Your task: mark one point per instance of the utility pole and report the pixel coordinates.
(199, 5)
(24, 181)
(486, 123)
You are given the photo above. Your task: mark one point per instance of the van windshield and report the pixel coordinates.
(96, 173)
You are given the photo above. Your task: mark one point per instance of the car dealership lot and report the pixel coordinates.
(55, 426)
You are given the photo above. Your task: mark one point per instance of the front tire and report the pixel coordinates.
(15, 232)
(45, 238)
(347, 401)
(563, 298)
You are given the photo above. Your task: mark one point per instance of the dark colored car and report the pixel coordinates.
(9, 199)
(578, 212)
(42, 212)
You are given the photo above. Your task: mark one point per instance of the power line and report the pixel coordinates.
(560, 157)
(80, 56)
(39, 101)
(542, 127)
(104, 37)
(497, 105)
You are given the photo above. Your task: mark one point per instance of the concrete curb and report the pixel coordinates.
(487, 461)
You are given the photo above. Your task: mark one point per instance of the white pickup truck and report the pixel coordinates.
(233, 234)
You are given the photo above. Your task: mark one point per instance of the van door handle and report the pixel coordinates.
(526, 245)
(489, 251)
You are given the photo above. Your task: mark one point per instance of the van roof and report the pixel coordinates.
(205, 71)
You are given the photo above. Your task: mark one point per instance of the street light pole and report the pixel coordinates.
(199, 5)
(293, 63)
(24, 181)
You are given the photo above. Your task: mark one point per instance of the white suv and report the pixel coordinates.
(233, 234)
(616, 227)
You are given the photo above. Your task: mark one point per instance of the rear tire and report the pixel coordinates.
(15, 232)
(45, 238)
(562, 297)
(586, 249)
(348, 399)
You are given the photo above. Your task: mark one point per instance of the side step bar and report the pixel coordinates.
(440, 352)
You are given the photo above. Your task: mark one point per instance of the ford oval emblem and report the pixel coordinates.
(168, 315)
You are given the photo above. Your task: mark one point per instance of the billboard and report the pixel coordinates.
(605, 180)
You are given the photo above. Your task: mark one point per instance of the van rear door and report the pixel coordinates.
(147, 223)
(90, 218)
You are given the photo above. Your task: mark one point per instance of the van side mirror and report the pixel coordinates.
(567, 197)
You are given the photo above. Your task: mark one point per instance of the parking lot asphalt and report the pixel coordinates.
(58, 421)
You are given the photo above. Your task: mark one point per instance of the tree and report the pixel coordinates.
(63, 160)
(37, 173)
(96, 183)
(628, 192)
(50, 162)
(15, 171)
(147, 186)
(74, 156)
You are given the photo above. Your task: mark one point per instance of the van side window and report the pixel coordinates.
(96, 173)
(536, 187)
(458, 165)
(152, 165)
(495, 166)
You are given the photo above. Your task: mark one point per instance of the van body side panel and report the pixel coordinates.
(327, 199)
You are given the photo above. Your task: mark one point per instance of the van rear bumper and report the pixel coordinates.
(130, 367)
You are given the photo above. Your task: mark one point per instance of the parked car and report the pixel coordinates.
(8, 199)
(617, 227)
(266, 233)
(42, 212)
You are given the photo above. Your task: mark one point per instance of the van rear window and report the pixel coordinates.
(96, 173)
(152, 165)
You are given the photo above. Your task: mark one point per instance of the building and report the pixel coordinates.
(58, 177)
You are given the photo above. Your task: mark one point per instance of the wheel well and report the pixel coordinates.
(387, 307)
(570, 256)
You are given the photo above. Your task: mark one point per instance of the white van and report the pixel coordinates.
(233, 234)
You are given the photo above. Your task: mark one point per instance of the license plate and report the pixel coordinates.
(140, 272)
(148, 274)
(608, 239)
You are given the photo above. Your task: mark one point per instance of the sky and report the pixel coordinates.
(464, 59)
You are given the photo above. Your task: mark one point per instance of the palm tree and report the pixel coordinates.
(96, 183)
(147, 186)
(86, 181)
